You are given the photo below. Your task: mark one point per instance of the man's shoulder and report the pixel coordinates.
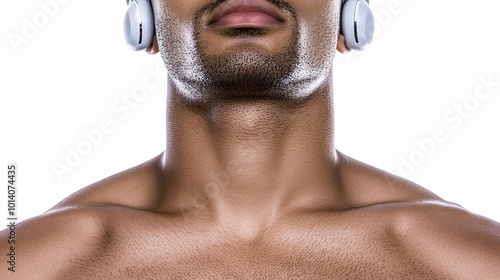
(51, 238)
(443, 235)
(429, 230)
(366, 185)
(82, 223)
(136, 187)
(434, 215)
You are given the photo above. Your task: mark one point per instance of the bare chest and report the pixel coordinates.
(295, 252)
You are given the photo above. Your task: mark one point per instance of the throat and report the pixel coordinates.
(262, 122)
(242, 160)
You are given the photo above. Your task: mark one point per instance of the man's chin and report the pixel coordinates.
(248, 69)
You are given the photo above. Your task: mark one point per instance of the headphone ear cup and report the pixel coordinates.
(138, 24)
(358, 24)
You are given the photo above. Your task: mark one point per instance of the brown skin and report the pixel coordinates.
(250, 185)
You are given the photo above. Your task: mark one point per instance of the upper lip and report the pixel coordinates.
(233, 6)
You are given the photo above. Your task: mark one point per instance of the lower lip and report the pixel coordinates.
(246, 19)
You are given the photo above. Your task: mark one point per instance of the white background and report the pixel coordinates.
(70, 71)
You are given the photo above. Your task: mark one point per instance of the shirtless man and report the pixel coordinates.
(250, 185)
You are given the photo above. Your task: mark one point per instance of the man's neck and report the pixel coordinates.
(248, 160)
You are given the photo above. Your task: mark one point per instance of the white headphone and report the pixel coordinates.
(357, 24)
(139, 25)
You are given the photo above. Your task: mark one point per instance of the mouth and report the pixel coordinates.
(245, 14)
